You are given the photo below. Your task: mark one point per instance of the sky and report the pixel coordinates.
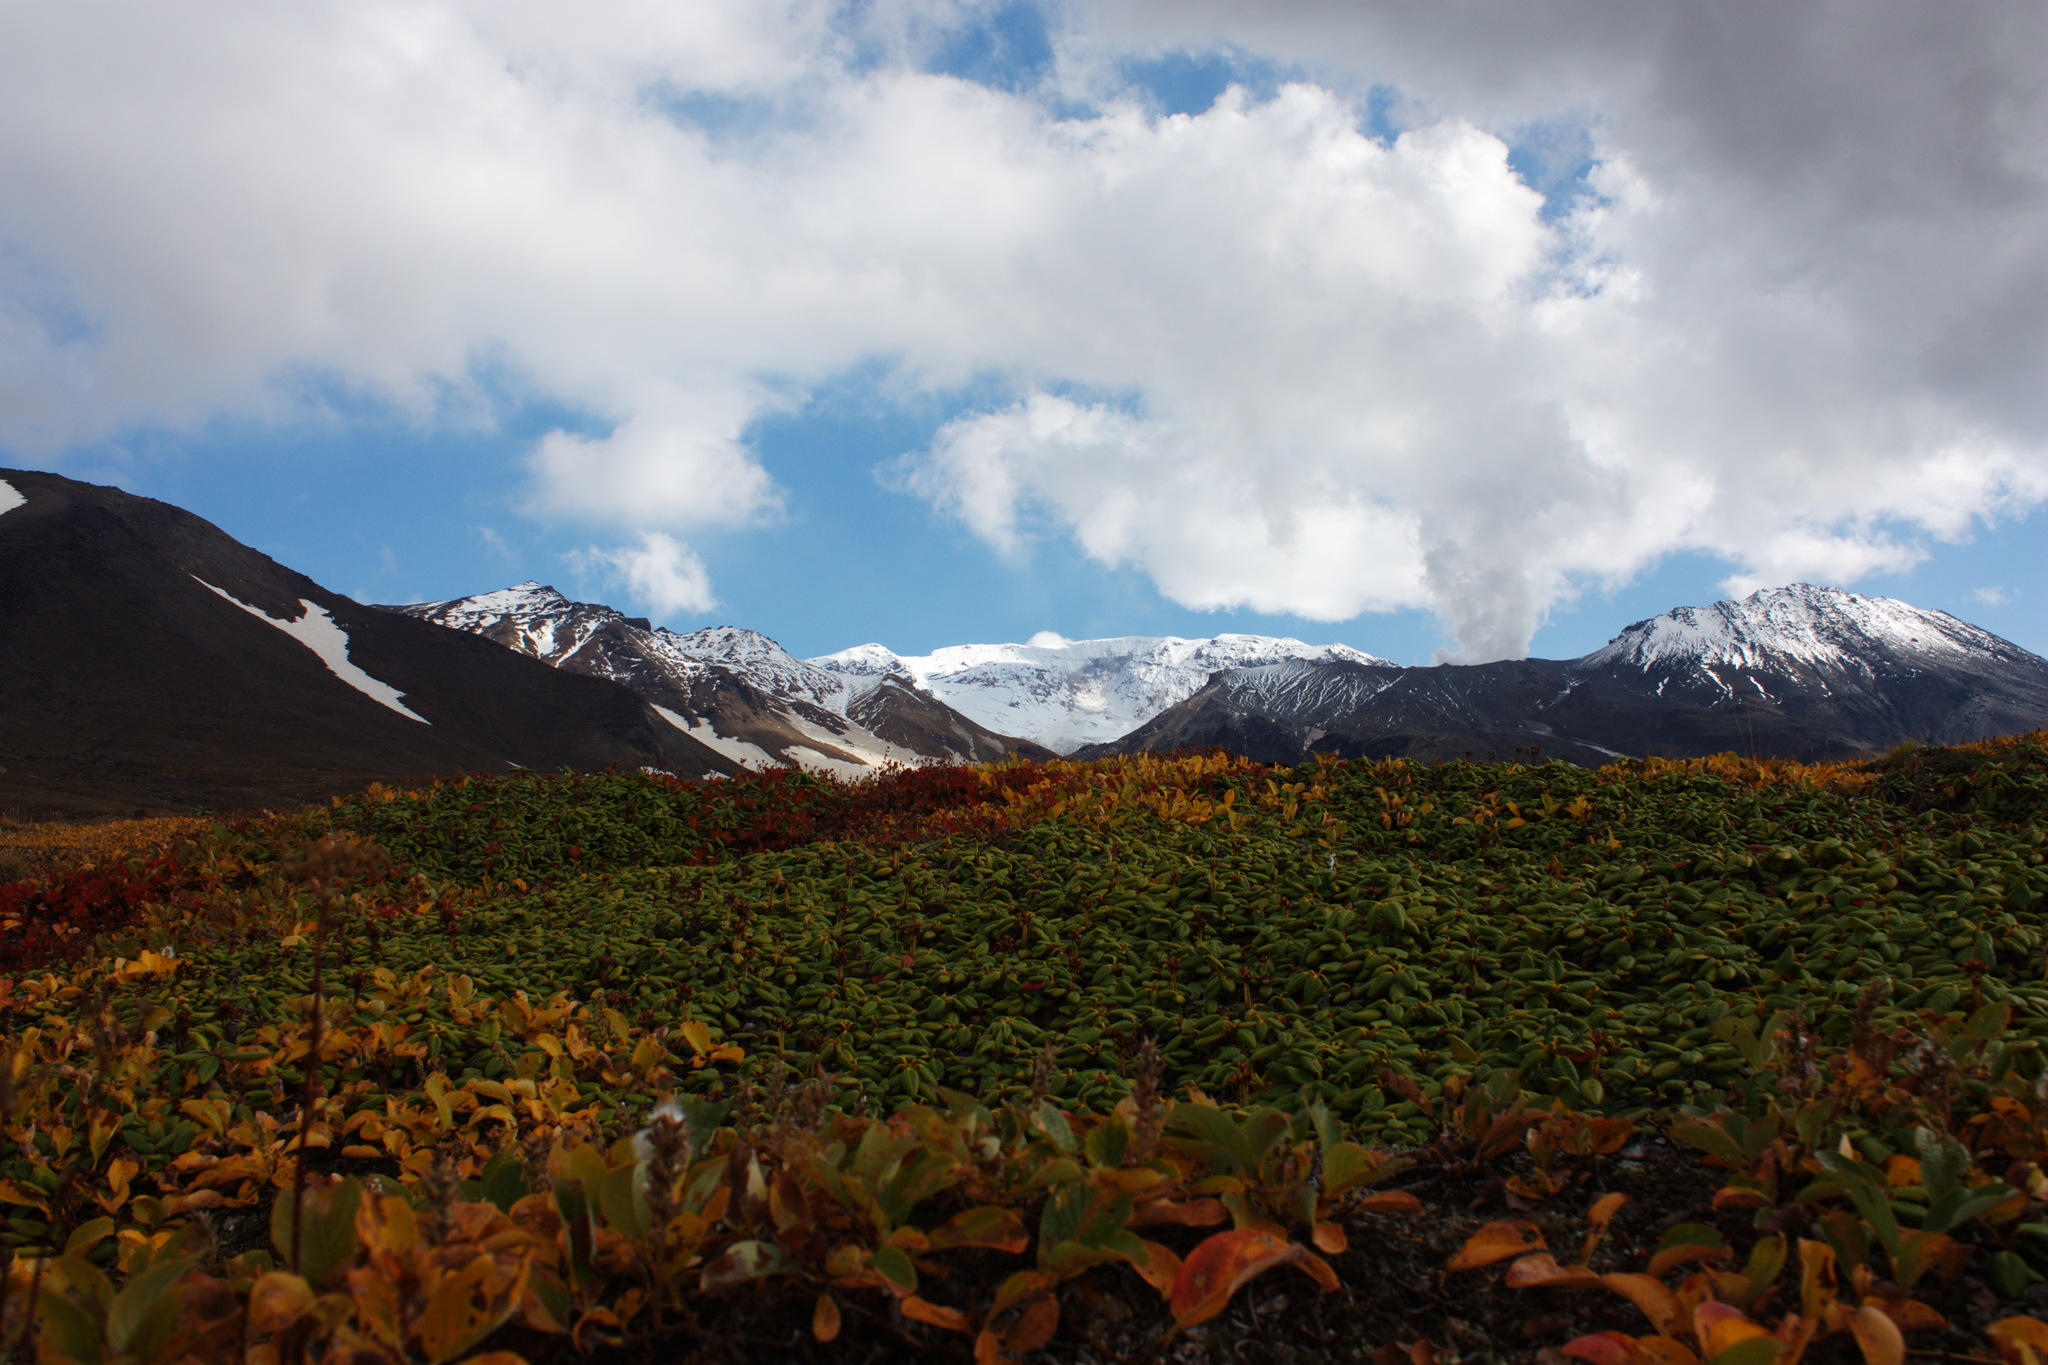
(1453, 331)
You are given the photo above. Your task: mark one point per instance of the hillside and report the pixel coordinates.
(1160, 1028)
(155, 662)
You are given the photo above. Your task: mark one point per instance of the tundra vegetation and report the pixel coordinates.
(1666, 1063)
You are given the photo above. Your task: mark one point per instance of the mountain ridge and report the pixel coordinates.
(1800, 671)
(731, 688)
(1066, 694)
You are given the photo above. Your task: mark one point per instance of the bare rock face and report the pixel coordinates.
(152, 661)
(1802, 672)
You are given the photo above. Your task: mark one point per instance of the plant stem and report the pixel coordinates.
(311, 1080)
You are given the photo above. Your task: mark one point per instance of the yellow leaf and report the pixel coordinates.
(276, 1301)
(2022, 1341)
(825, 1318)
(1878, 1335)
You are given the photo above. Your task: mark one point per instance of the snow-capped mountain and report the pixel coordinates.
(1801, 671)
(732, 689)
(1801, 629)
(1064, 693)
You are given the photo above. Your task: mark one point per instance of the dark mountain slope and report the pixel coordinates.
(148, 659)
(1801, 672)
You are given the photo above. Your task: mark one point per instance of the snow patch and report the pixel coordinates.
(316, 630)
(10, 497)
(749, 756)
(870, 748)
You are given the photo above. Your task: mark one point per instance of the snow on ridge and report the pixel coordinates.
(1067, 693)
(767, 663)
(316, 630)
(10, 497)
(864, 661)
(1799, 625)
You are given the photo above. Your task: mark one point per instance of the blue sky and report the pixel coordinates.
(390, 511)
(977, 395)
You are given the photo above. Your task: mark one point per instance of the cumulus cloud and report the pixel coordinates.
(1792, 309)
(660, 572)
(677, 459)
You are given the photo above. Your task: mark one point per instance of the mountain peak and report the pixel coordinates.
(1800, 626)
(1068, 693)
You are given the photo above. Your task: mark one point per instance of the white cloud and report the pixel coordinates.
(1257, 354)
(677, 459)
(1993, 596)
(660, 573)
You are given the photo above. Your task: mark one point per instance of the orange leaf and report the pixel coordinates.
(1878, 1335)
(1604, 1208)
(1720, 1326)
(1034, 1326)
(1670, 1257)
(1160, 1268)
(1902, 1170)
(1540, 1270)
(1657, 1303)
(1329, 1237)
(1497, 1242)
(196, 1199)
(1216, 1268)
(1390, 1201)
(497, 1358)
(987, 1350)
(1535, 1186)
(1739, 1197)
(1603, 1348)
(2022, 1341)
(1609, 1136)
(1662, 1350)
(825, 1318)
(1910, 1314)
(1318, 1269)
(1597, 1220)
(936, 1315)
(1019, 1287)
